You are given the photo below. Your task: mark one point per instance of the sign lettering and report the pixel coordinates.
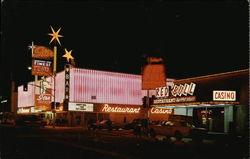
(175, 100)
(161, 111)
(177, 90)
(81, 107)
(224, 95)
(67, 78)
(117, 109)
(43, 101)
(41, 67)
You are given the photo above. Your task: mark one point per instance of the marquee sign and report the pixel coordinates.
(41, 67)
(85, 107)
(177, 94)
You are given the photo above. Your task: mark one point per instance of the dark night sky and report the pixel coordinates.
(195, 37)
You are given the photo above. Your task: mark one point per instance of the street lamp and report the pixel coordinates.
(29, 68)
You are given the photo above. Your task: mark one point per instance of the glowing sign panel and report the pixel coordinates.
(85, 107)
(41, 52)
(224, 95)
(42, 101)
(41, 67)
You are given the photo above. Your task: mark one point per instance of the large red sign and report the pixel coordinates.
(43, 101)
(42, 67)
(153, 76)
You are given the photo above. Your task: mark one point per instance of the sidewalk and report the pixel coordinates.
(65, 127)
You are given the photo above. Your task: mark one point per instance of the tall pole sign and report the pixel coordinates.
(67, 80)
(55, 37)
(69, 57)
(67, 87)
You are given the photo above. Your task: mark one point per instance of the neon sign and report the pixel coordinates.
(117, 109)
(67, 80)
(177, 90)
(161, 111)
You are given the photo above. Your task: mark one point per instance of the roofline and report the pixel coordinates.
(212, 75)
(139, 75)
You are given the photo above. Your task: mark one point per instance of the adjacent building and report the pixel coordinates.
(84, 94)
(219, 102)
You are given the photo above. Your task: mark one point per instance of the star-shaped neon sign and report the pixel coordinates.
(32, 47)
(55, 35)
(68, 55)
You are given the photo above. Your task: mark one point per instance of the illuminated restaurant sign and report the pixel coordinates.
(177, 94)
(161, 111)
(117, 109)
(86, 107)
(224, 95)
(41, 67)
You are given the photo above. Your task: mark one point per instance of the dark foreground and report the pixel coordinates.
(70, 143)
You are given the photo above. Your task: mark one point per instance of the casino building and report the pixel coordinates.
(83, 94)
(219, 102)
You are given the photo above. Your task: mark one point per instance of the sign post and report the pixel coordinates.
(55, 36)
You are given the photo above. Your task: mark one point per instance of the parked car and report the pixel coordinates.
(176, 128)
(105, 124)
(135, 122)
(30, 121)
(7, 118)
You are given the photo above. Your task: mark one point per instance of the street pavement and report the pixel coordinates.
(77, 142)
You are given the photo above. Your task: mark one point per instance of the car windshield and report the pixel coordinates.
(186, 124)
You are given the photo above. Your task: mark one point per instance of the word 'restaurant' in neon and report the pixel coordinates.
(117, 109)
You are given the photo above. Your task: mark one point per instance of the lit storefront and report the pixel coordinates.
(83, 94)
(218, 102)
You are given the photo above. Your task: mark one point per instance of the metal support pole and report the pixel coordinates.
(148, 104)
(54, 77)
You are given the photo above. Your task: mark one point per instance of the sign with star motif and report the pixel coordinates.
(68, 55)
(55, 35)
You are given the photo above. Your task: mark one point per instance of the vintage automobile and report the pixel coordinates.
(30, 121)
(133, 124)
(176, 128)
(105, 124)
